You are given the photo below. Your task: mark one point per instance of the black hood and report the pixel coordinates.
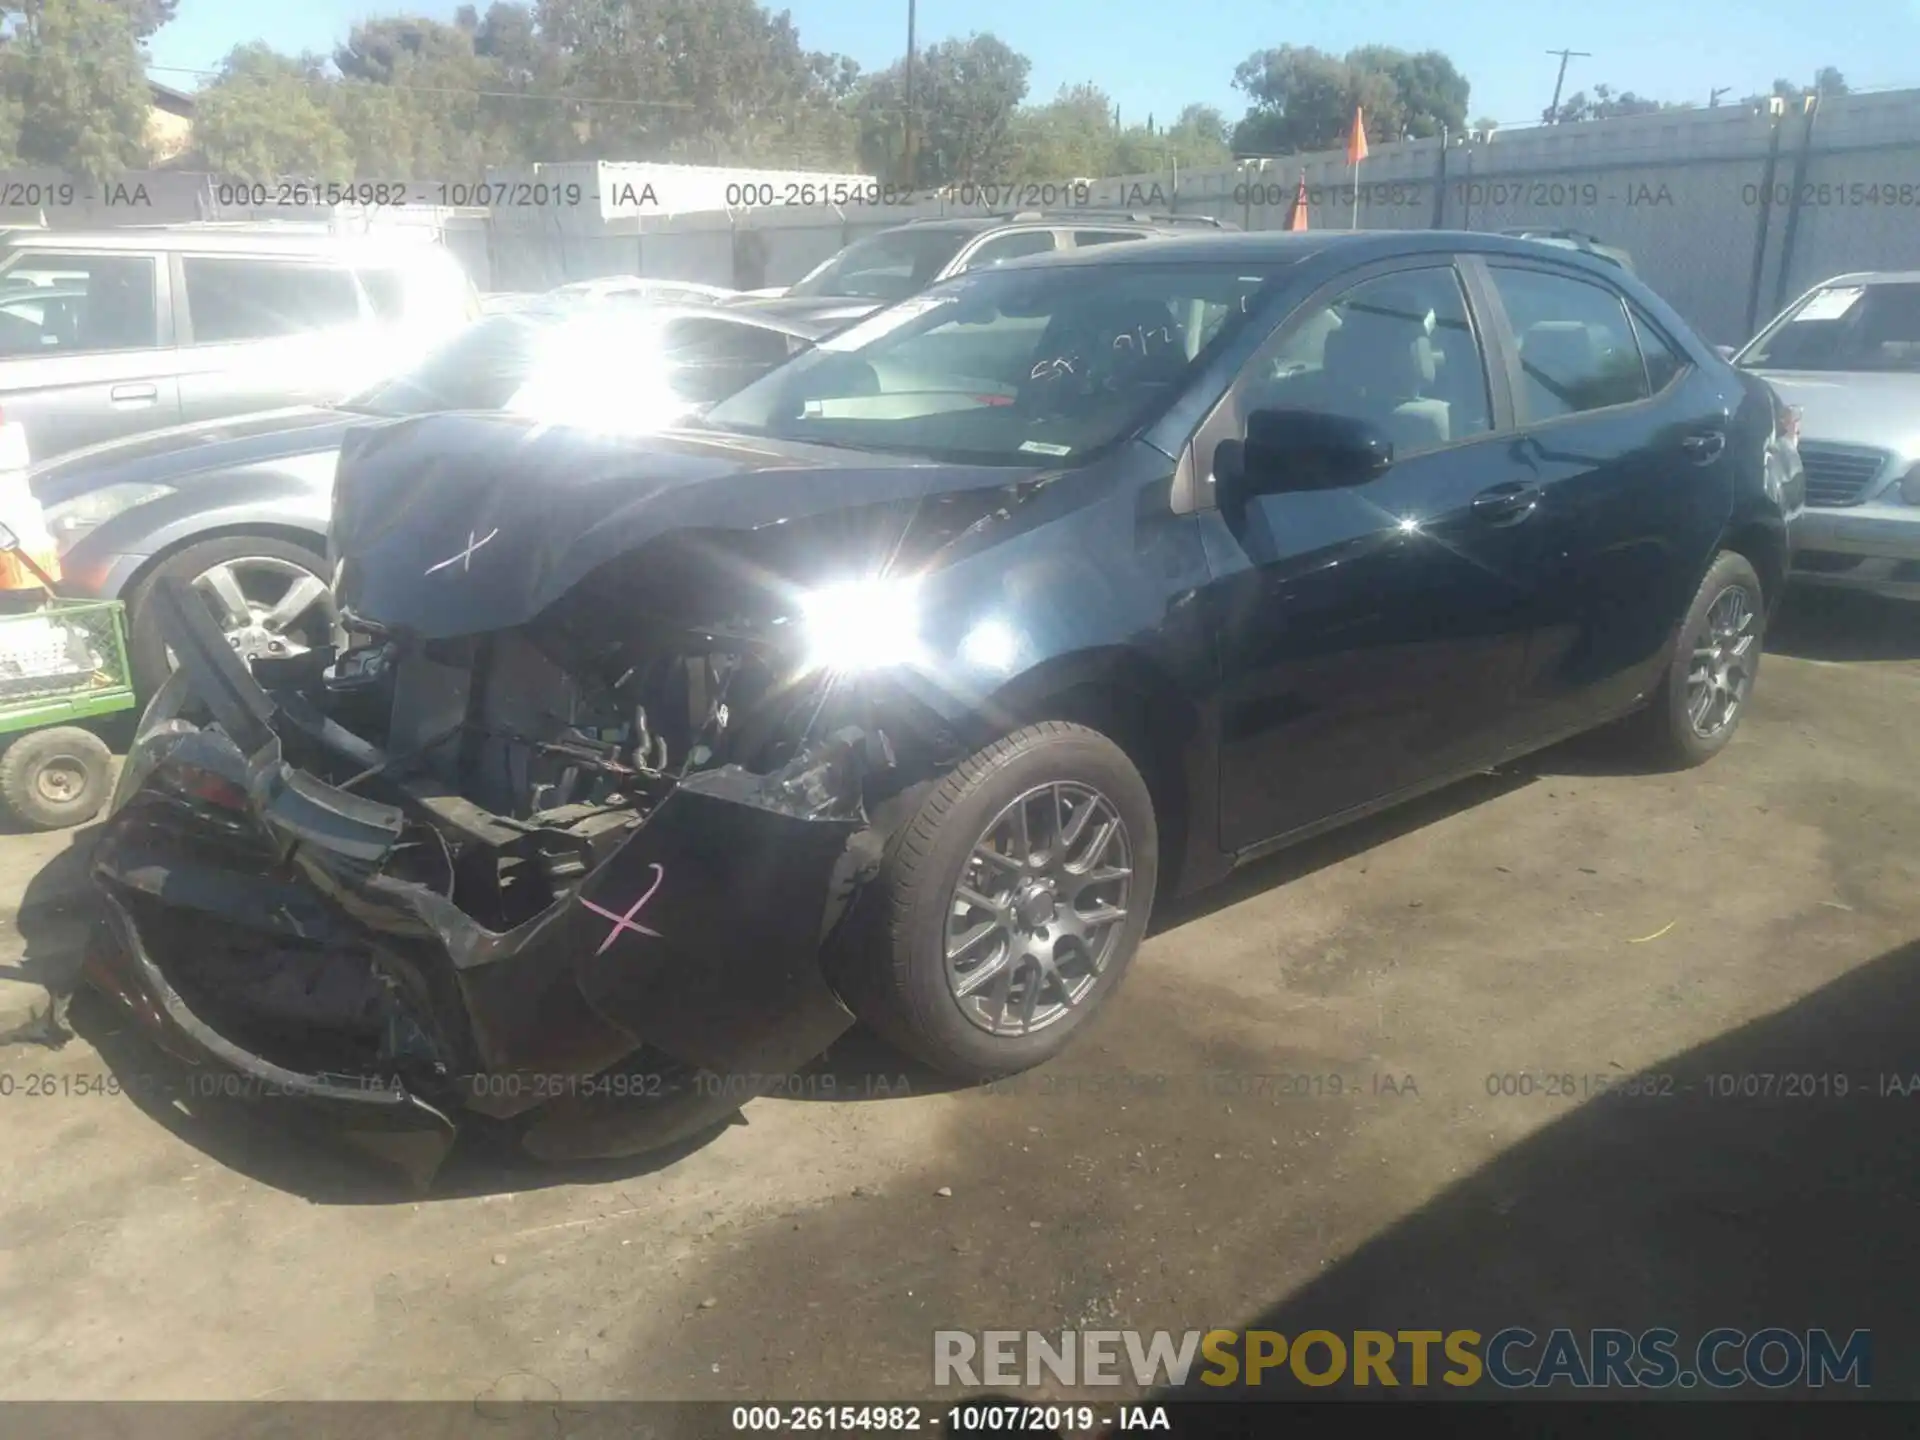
(453, 525)
(169, 456)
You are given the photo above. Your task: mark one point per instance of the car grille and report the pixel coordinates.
(1839, 474)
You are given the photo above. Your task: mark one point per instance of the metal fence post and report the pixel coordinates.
(1760, 229)
(1792, 230)
(1440, 184)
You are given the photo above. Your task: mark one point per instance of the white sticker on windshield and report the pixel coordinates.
(1831, 304)
(1041, 447)
(865, 332)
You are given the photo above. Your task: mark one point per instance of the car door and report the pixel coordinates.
(262, 332)
(1371, 638)
(1626, 439)
(85, 356)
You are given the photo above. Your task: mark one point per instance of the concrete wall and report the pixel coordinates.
(1685, 191)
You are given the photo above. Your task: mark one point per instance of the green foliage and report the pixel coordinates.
(1604, 104)
(1303, 99)
(966, 96)
(693, 81)
(75, 88)
(269, 116)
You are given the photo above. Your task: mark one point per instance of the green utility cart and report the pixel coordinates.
(62, 663)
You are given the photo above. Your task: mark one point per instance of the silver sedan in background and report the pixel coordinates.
(1847, 355)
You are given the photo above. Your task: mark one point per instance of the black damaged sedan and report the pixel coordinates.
(903, 685)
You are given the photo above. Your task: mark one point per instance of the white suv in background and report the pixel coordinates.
(108, 334)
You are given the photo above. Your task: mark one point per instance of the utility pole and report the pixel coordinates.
(1561, 78)
(906, 144)
(1713, 96)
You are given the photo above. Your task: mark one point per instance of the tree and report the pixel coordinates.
(418, 91)
(267, 116)
(965, 98)
(73, 73)
(709, 81)
(1606, 105)
(1070, 137)
(1827, 81)
(1304, 99)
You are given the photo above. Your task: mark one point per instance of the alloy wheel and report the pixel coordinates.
(1038, 909)
(1720, 674)
(268, 607)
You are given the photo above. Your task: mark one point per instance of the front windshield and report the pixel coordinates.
(1007, 367)
(481, 368)
(1844, 327)
(889, 266)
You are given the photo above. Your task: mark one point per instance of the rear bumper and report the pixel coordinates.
(1873, 548)
(252, 925)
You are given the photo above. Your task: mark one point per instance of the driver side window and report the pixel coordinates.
(1397, 351)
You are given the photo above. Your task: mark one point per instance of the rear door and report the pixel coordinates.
(261, 332)
(1627, 440)
(85, 354)
(1372, 638)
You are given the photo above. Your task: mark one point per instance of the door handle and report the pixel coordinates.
(134, 394)
(1704, 448)
(1507, 504)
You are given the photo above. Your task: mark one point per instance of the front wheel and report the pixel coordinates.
(1011, 904)
(269, 597)
(1716, 659)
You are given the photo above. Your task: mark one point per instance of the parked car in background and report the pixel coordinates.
(105, 335)
(891, 265)
(1578, 240)
(1847, 355)
(905, 682)
(238, 508)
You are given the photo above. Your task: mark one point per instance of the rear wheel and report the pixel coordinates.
(1010, 905)
(269, 597)
(1704, 694)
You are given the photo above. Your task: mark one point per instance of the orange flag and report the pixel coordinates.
(1357, 141)
(1298, 219)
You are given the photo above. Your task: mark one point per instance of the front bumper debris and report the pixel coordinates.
(252, 925)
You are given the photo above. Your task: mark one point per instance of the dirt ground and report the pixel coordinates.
(1760, 915)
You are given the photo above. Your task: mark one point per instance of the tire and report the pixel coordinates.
(51, 779)
(1667, 733)
(898, 975)
(146, 653)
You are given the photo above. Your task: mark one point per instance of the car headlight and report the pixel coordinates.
(861, 625)
(70, 520)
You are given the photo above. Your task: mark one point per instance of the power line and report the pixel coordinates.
(463, 90)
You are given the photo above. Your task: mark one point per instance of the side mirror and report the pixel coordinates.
(1293, 450)
(1726, 352)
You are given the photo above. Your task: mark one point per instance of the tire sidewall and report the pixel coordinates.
(1727, 569)
(27, 756)
(1076, 755)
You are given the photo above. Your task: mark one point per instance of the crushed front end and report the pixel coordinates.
(574, 876)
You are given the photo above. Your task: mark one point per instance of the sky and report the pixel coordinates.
(1154, 56)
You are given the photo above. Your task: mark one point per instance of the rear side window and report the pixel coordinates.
(1083, 238)
(239, 299)
(60, 304)
(1010, 247)
(1577, 347)
(1663, 360)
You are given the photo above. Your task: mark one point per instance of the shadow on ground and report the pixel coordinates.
(53, 920)
(1689, 1210)
(1817, 624)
